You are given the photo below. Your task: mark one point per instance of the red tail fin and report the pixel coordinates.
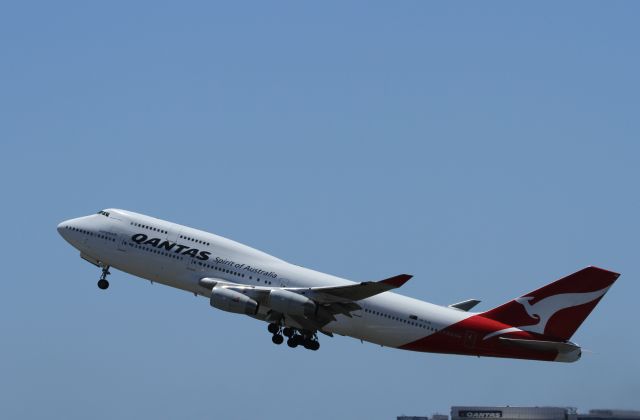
(557, 309)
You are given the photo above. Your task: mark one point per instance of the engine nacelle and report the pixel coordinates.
(232, 301)
(291, 303)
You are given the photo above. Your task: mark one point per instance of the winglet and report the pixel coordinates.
(397, 281)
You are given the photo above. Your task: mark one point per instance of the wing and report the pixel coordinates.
(352, 292)
(324, 294)
(331, 300)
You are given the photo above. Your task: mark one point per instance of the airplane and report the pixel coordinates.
(299, 303)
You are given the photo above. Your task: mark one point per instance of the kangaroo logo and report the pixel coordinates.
(547, 307)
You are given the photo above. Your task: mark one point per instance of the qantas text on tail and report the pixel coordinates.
(298, 302)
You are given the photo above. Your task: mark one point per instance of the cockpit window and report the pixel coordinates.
(104, 213)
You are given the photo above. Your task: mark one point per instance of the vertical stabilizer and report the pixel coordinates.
(557, 309)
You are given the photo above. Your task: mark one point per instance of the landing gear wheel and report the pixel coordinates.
(273, 328)
(288, 332)
(277, 339)
(103, 283)
(310, 341)
(293, 341)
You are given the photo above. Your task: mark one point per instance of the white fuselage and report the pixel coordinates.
(126, 241)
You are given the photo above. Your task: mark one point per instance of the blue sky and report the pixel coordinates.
(486, 148)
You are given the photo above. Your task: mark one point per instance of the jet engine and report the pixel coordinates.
(232, 301)
(291, 303)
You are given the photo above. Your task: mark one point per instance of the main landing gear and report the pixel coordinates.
(295, 338)
(103, 283)
(275, 330)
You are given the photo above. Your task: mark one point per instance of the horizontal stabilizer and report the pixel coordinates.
(540, 345)
(565, 351)
(465, 305)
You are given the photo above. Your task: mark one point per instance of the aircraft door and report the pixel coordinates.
(117, 231)
(121, 242)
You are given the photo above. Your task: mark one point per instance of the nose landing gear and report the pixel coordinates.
(103, 283)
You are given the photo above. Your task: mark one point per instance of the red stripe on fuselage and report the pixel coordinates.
(467, 338)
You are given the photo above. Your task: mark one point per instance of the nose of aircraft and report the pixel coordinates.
(73, 230)
(66, 228)
(62, 228)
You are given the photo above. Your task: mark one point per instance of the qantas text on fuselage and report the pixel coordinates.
(298, 303)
